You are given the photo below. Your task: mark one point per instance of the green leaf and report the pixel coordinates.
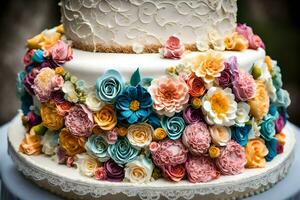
(135, 78)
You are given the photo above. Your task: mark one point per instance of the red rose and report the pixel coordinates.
(196, 85)
(100, 173)
(173, 48)
(174, 173)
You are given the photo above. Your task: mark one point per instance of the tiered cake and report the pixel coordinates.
(152, 92)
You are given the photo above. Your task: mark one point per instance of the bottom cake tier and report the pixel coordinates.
(68, 183)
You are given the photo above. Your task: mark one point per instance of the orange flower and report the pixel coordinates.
(256, 151)
(268, 61)
(106, 118)
(31, 145)
(159, 134)
(70, 143)
(196, 85)
(236, 42)
(50, 116)
(281, 138)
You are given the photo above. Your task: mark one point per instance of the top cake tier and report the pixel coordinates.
(135, 26)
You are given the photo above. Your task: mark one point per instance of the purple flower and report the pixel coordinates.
(29, 80)
(279, 124)
(191, 115)
(244, 30)
(61, 156)
(115, 172)
(33, 119)
(58, 96)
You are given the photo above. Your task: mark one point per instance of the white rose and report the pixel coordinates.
(242, 113)
(202, 45)
(216, 41)
(69, 89)
(137, 48)
(220, 135)
(271, 89)
(86, 164)
(92, 102)
(49, 143)
(139, 170)
(140, 135)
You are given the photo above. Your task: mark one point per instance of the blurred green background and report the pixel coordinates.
(276, 21)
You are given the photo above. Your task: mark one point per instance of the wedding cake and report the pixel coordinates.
(151, 92)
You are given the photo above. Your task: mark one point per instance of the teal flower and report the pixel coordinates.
(122, 151)
(267, 128)
(154, 120)
(272, 147)
(273, 111)
(134, 105)
(97, 146)
(19, 84)
(109, 86)
(276, 76)
(38, 56)
(240, 134)
(174, 126)
(283, 98)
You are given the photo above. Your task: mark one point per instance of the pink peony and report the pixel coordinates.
(174, 172)
(244, 86)
(153, 147)
(173, 48)
(279, 124)
(79, 121)
(232, 160)
(60, 52)
(201, 169)
(27, 57)
(170, 95)
(57, 82)
(244, 30)
(255, 42)
(169, 152)
(100, 173)
(196, 138)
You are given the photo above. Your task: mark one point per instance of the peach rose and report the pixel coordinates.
(31, 145)
(50, 116)
(256, 151)
(71, 144)
(236, 42)
(196, 85)
(173, 48)
(106, 118)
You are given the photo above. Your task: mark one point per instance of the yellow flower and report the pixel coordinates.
(140, 135)
(71, 144)
(171, 70)
(46, 39)
(256, 151)
(196, 102)
(208, 66)
(122, 131)
(106, 118)
(60, 70)
(31, 145)
(268, 61)
(259, 105)
(50, 116)
(214, 151)
(236, 42)
(281, 138)
(60, 29)
(159, 134)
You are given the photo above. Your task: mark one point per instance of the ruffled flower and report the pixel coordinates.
(240, 134)
(244, 86)
(115, 173)
(212, 41)
(86, 164)
(122, 151)
(256, 42)
(196, 138)
(191, 115)
(174, 126)
(134, 104)
(31, 145)
(112, 136)
(106, 118)
(220, 135)
(279, 123)
(60, 52)
(168, 152)
(201, 169)
(50, 116)
(244, 30)
(174, 173)
(92, 102)
(227, 75)
(247, 32)
(50, 143)
(242, 113)
(267, 129)
(232, 160)
(208, 66)
(219, 106)
(169, 94)
(196, 85)
(272, 147)
(79, 121)
(259, 104)
(97, 147)
(64, 107)
(100, 173)
(109, 86)
(173, 48)
(256, 151)
(70, 93)
(70, 143)
(283, 98)
(29, 80)
(236, 42)
(276, 75)
(139, 170)
(140, 135)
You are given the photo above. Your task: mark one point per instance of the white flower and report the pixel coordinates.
(202, 45)
(265, 73)
(255, 130)
(49, 143)
(139, 170)
(219, 106)
(92, 102)
(137, 48)
(184, 68)
(212, 41)
(242, 113)
(86, 164)
(220, 135)
(70, 93)
(271, 89)
(140, 135)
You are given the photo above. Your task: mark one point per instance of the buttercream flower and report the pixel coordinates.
(276, 75)
(159, 134)
(242, 113)
(244, 30)
(60, 52)
(279, 148)
(38, 56)
(280, 138)
(50, 143)
(139, 170)
(122, 151)
(100, 173)
(79, 121)
(201, 169)
(63, 108)
(27, 59)
(106, 118)
(109, 86)
(57, 82)
(134, 104)
(236, 42)
(240, 134)
(70, 93)
(272, 147)
(214, 151)
(283, 98)
(168, 152)
(50, 116)
(259, 104)
(256, 42)
(154, 120)
(112, 136)
(86, 164)
(232, 160)
(92, 102)
(174, 172)
(70, 143)
(244, 86)
(31, 145)
(140, 135)
(208, 66)
(267, 128)
(97, 147)
(227, 75)
(196, 138)
(20, 84)
(256, 151)
(191, 115)
(174, 126)
(219, 106)
(220, 135)
(169, 94)
(44, 40)
(279, 123)
(33, 119)
(70, 162)
(271, 89)
(196, 85)
(115, 172)
(29, 80)
(122, 131)
(173, 48)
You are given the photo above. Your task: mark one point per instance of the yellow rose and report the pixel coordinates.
(60, 70)
(140, 135)
(159, 134)
(106, 118)
(214, 152)
(71, 144)
(236, 42)
(31, 145)
(50, 116)
(256, 151)
(122, 131)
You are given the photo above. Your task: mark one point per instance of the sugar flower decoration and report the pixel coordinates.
(242, 113)
(244, 86)
(191, 115)
(70, 92)
(86, 164)
(272, 148)
(174, 126)
(60, 52)
(174, 173)
(115, 172)
(31, 145)
(50, 143)
(139, 170)
(173, 48)
(196, 85)
(240, 134)
(92, 102)
(254, 40)
(227, 75)
(212, 41)
(267, 128)
(97, 146)
(236, 42)
(219, 106)
(256, 151)
(100, 173)
(50, 116)
(220, 135)
(140, 135)
(106, 118)
(70, 143)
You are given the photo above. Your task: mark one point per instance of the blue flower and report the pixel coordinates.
(154, 120)
(276, 77)
(134, 105)
(273, 111)
(283, 112)
(109, 86)
(19, 84)
(174, 126)
(283, 98)
(122, 151)
(240, 134)
(267, 128)
(97, 146)
(26, 102)
(272, 147)
(38, 56)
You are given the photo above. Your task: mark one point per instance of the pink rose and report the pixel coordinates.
(244, 86)
(279, 124)
(153, 147)
(255, 42)
(201, 169)
(60, 52)
(100, 173)
(174, 172)
(244, 30)
(112, 136)
(57, 82)
(27, 57)
(70, 161)
(232, 160)
(173, 48)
